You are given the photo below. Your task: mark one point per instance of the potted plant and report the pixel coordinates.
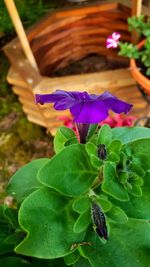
(139, 54)
(89, 204)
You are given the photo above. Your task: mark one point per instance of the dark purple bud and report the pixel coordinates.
(102, 153)
(99, 221)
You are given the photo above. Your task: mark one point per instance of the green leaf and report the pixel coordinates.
(62, 136)
(92, 151)
(82, 222)
(123, 160)
(91, 131)
(71, 141)
(115, 146)
(24, 181)
(82, 262)
(11, 215)
(140, 150)
(71, 258)
(3, 219)
(104, 203)
(113, 157)
(104, 135)
(96, 162)
(136, 190)
(47, 263)
(117, 215)
(111, 185)
(136, 168)
(81, 204)
(136, 23)
(69, 172)
(123, 176)
(7, 224)
(130, 134)
(138, 181)
(5, 247)
(48, 221)
(128, 50)
(138, 207)
(14, 238)
(14, 262)
(128, 245)
(148, 72)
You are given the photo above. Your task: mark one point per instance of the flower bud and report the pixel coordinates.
(102, 153)
(99, 221)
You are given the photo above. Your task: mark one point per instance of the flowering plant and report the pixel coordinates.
(130, 50)
(89, 204)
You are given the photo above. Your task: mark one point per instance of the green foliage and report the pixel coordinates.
(29, 13)
(69, 172)
(104, 135)
(130, 134)
(110, 184)
(72, 258)
(81, 204)
(13, 262)
(10, 233)
(128, 245)
(142, 27)
(64, 137)
(129, 50)
(26, 175)
(52, 223)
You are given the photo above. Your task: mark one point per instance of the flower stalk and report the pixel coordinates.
(82, 132)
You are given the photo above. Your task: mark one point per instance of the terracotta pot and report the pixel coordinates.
(143, 81)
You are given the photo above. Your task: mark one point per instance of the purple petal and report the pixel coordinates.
(89, 112)
(50, 98)
(115, 104)
(65, 103)
(71, 100)
(80, 95)
(62, 99)
(84, 107)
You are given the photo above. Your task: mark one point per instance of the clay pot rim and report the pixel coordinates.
(135, 69)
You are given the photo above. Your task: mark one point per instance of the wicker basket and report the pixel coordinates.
(60, 38)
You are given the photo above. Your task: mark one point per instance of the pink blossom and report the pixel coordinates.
(118, 120)
(113, 40)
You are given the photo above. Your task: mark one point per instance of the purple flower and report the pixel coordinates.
(85, 108)
(113, 40)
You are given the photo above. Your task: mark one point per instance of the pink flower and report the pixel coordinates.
(118, 120)
(113, 40)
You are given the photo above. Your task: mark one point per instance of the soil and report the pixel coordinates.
(89, 64)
